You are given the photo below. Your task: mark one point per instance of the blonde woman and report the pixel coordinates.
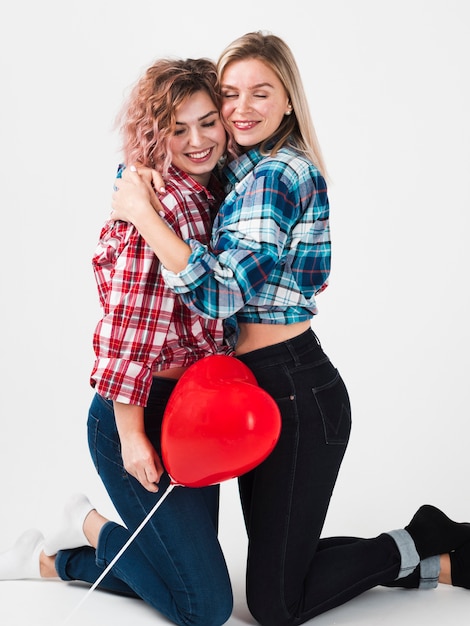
(269, 259)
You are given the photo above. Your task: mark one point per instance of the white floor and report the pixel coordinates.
(45, 603)
(55, 603)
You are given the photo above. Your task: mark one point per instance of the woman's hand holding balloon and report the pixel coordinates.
(139, 457)
(142, 461)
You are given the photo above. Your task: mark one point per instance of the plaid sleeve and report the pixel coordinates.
(248, 244)
(136, 315)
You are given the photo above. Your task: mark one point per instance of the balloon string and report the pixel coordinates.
(120, 553)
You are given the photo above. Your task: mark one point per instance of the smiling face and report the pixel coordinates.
(254, 101)
(199, 138)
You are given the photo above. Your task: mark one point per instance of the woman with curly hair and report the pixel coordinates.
(143, 343)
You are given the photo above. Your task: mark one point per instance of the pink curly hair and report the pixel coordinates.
(147, 119)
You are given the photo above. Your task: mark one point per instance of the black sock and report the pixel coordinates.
(460, 566)
(434, 533)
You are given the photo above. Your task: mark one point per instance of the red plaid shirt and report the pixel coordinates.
(145, 327)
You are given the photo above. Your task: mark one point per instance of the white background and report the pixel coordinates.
(388, 85)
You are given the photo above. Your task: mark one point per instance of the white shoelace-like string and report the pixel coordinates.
(118, 555)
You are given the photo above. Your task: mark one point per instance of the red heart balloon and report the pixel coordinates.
(218, 423)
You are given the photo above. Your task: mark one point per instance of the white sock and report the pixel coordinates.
(70, 532)
(22, 561)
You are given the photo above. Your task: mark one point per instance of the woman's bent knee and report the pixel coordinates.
(269, 614)
(215, 614)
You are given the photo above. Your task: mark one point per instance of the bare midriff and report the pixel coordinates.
(172, 372)
(251, 337)
(256, 336)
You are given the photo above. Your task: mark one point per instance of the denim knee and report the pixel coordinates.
(215, 617)
(213, 611)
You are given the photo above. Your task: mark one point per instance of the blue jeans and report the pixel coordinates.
(292, 574)
(176, 563)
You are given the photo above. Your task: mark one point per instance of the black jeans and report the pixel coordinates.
(292, 574)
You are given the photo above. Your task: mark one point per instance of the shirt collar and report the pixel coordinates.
(187, 185)
(236, 170)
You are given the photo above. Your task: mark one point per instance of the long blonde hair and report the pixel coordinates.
(297, 129)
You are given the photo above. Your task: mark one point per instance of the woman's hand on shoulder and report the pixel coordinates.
(151, 176)
(134, 194)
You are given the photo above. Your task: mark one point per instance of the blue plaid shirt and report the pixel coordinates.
(270, 249)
